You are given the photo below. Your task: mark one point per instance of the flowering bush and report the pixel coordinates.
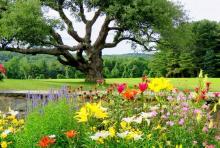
(151, 115)
(2, 71)
(9, 125)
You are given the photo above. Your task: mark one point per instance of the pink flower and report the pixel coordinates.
(153, 114)
(164, 117)
(205, 129)
(217, 94)
(197, 111)
(217, 137)
(181, 122)
(169, 98)
(185, 109)
(168, 113)
(170, 123)
(204, 106)
(210, 146)
(121, 88)
(143, 86)
(185, 104)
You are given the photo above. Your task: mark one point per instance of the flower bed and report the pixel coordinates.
(152, 114)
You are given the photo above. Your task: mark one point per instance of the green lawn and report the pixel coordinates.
(44, 84)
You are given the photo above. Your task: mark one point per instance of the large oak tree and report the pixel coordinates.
(25, 29)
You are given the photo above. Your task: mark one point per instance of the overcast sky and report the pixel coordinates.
(196, 10)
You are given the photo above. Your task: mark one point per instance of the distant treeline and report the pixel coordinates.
(43, 66)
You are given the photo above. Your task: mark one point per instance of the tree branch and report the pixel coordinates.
(100, 41)
(57, 37)
(82, 13)
(116, 42)
(50, 51)
(97, 14)
(70, 28)
(89, 25)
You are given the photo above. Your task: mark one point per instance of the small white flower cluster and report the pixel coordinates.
(130, 134)
(144, 116)
(101, 134)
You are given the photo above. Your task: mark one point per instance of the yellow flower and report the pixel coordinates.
(82, 115)
(15, 121)
(11, 117)
(179, 146)
(93, 128)
(4, 144)
(211, 124)
(198, 117)
(96, 110)
(11, 129)
(158, 127)
(158, 84)
(111, 131)
(100, 141)
(123, 124)
(1, 128)
(100, 114)
(3, 135)
(91, 110)
(21, 122)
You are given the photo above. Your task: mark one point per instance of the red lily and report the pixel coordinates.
(143, 86)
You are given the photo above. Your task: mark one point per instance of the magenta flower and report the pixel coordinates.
(121, 88)
(143, 86)
(181, 122)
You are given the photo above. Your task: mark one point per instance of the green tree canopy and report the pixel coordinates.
(25, 29)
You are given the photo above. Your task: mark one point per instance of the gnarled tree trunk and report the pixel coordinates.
(95, 67)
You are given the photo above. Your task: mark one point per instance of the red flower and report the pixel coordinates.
(196, 89)
(143, 86)
(208, 85)
(71, 134)
(46, 141)
(130, 94)
(2, 69)
(121, 88)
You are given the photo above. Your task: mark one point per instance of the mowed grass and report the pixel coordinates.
(45, 84)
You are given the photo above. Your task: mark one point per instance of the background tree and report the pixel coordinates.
(24, 28)
(192, 47)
